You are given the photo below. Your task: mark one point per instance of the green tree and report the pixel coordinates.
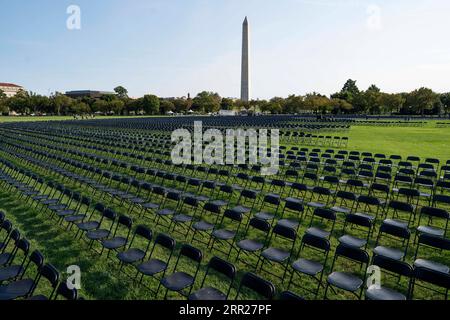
(166, 106)
(61, 103)
(79, 107)
(227, 104)
(392, 102)
(348, 92)
(372, 97)
(182, 105)
(445, 99)
(122, 93)
(206, 102)
(150, 104)
(116, 106)
(101, 106)
(421, 101)
(292, 104)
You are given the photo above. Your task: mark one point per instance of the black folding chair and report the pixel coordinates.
(179, 281)
(261, 287)
(221, 267)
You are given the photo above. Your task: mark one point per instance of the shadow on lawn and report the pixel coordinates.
(62, 249)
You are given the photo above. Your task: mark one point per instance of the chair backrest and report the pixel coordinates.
(359, 220)
(434, 242)
(165, 241)
(222, 266)
(259, 224)
(434, 277)
(435, 212)
(259, 285)
(352, 253)
(395, 231)
(64, 291)
(325, 213)
(316, 242)
(395, 266)
(191, 252)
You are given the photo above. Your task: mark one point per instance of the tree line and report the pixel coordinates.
(350, 100)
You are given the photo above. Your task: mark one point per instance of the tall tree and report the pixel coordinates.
(206, 102)
(227, 104)
(150, 104)
(422, 101)
(166, 106)
(122, 93)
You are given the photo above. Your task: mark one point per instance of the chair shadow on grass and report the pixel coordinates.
(61, 249)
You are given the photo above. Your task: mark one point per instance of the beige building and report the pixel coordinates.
(10, 89)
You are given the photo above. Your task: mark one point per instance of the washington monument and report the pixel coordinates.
(245, 83)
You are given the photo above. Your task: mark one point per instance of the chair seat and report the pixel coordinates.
(396, 223)
(182, 218)
(40, 197)
(241, 209)
(131, 255)
(383, 293)
(49, 201)
(341, 209)
(65, 213)
(250, 245)
(392, 253)
(265, 216)
(150, 205)
(431, 230)
(208, 294)
(4, 258)
(137, 200)
(289, 223)
(223, 234)
(315, 204)
(16, 289)
(318, 232)
(86, 226)
(275, 254)
(75, 218)
(433, 265)
(177, 281)
(293, 200)
(114, 243)
(10, 272)
(57, 207)
(365, 215)
(308, 267)
(165, 212)
(219, 203)
(152, 267)
(97, 234)
(203, 226)
(127, 196)
(345, 281)
(352, 241)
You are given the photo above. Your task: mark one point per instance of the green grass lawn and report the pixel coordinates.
(425, 142)
(100, 276)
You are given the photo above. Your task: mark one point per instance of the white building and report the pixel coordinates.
(10, 89)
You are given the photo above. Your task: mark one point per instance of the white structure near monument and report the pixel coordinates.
(245, 71)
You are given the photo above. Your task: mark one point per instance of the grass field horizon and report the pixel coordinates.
(427, 141)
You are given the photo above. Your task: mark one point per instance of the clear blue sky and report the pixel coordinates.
(171, 47)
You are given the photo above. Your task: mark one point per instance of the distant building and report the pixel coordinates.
(10, 89)
(88, 93)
